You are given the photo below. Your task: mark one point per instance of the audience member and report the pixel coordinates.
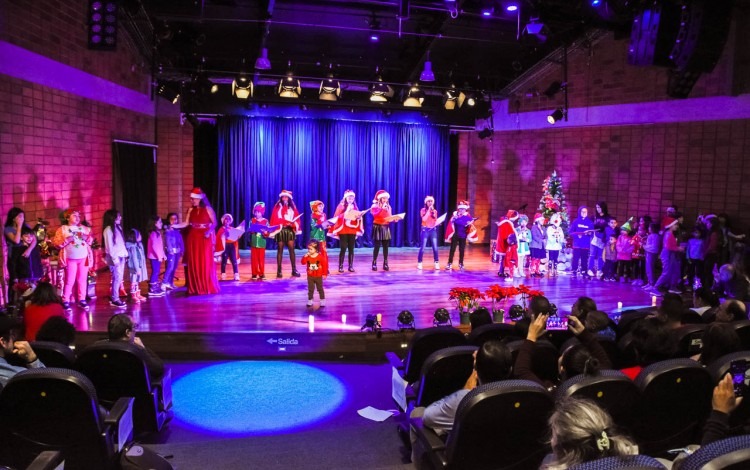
(479, 317)
(538, 305)
(651, 342)
(723, 404)
(44, 303)
(9, 329)
(731, 310)
(705, 303)
(57, 330)
(582, 432)
(121, 327)
(582, 306)
(732, 284)
(719, 339)
(598, 323)
(670, 311)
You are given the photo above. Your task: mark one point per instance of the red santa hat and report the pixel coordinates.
(260, 206)
(285, 192)
(670, 222)
(196, 193)
(229, 216)
(348, 193)
(463, 204)
(538, 216)
(314, 204)
(512, 215)
(429, 198)
(380, 194)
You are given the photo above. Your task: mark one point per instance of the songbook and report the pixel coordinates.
(441, 219)
(352, 215)
(396, 217)
(258, 228)
(295, 219)
(328, 222)
(235, 233)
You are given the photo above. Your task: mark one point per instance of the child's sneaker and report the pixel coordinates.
(133, 297)
(437, 266)
(262, 277)
(166, 287)
(223, 276)
(236, 276)
(117, 303)
(254, 277)
(155, 292)
(460, 267)
(82, 304)
(448, 266)
(67, 307)
(322, 302)
(419, 266)
(309, 303)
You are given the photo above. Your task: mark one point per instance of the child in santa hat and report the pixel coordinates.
(459, 230)
(555, 239)
(318, 231)
(536, 245)
(429, 217)
(347, 228)
(285, 215)
(226, 248)
(381, 229)
(258, 242)
(316, 270)
(507, 244)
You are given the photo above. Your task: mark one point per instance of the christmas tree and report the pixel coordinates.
(553, 200)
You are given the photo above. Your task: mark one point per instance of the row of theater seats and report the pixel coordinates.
(664, 408)
(88, 410)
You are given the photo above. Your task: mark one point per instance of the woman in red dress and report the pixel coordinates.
(200, 272)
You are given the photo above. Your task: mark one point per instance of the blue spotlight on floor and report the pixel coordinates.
(246, 398)
(596, 3)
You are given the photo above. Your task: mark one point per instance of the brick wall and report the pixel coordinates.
(174, 164)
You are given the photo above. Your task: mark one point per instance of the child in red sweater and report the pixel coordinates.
(315, 273)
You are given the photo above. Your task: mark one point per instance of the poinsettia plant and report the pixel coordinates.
(466, 298)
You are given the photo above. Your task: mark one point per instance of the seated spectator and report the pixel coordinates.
(585, 358)
(670, 311)
(538, 305)
(705, 303)
(598, 323)
(22, 351)
(731, 310)
(479, 317)
(582, 432)
(652, 342)
(723, 404)
(57, 330)
(121, 327)
(732, 284)
(43, 304)
(719, 339)
(492, 362)
(582, 306)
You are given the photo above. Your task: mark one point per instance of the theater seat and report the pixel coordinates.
(57, 409)
(54, 354)
(423, 343)
(611, 389)
(689, 339)
(498, 425)
(676, 399)
(118, 369)
(718, 369)
(742, 328)
(444, 372)
(616, 463)
(727, 454)
(543, 359)
(496, 331)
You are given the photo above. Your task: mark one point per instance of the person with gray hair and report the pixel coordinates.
(581, 432)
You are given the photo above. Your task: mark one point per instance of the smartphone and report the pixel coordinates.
(738, 369)
(557, 323)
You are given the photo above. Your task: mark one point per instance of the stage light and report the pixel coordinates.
(374, 37)
(405, 320)
(103, 25)
(511, 7)
(555, 116)
(374, 24)
(596, 3)
(203, 85)
(330, 89)
(414, 97)
(262, 62)
(453, 98)
(442, 317)
(242, 86)
(515, 312)
(535, 31)
(486, 132)
(372, 323)
(168, 92)
(554, 88)
(381, 92)
(471, 99)
(289, 87)
(427, 74)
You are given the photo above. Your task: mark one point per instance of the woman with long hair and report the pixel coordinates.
(43, 304)
(115, 253)
(347, 228)
(199, 245)
(286, 216)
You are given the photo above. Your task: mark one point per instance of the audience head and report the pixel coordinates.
(731, 310)
(9, 331)
(671, 309)
(493, 362)
(652, 341)
(576, 360)
(582, 306)
(45, 294)
(726, 273)
(57, 329)
(582, 431)
(480, 316)
(121, 327)
(719, 339)
(539, 305)
(705, 297)
(596, 321)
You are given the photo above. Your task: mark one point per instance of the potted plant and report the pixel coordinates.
(499, 294)
(466, 300)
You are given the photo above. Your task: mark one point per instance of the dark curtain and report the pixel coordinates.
(134, 188)
(319, 159)
(205, 156)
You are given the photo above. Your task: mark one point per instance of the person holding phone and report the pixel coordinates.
(588, 357)
(724, 401)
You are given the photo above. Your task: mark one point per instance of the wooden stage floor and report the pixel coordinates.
(279, 306)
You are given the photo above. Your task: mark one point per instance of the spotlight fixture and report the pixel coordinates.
(405, 320)
(372, 323)
(555, 116)
(262, 62)
(536, 31)
(374, 23)
(427, 74)
(103, 25)
(168, 92)
(330, 88)
(203, 85)
(511, 7)
(471, 99)
(486, 132)
(414, 97)
(554, 88)
(242, 86)
(515, 312)
(453, 98)
(381, 92)
(289, 87)
(442, 317)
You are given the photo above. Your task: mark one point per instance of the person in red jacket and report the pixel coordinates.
(286, 216)
(381, 230)
(347, 228)
(507, 244)
(316, 271)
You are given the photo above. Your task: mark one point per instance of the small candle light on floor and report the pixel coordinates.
(619, 305)
(653, 301)
(379, 317)
(343, 318)
(311, 323)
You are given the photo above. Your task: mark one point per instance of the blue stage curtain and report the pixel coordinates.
(318, 159)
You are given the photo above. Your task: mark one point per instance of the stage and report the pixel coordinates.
(270, 317)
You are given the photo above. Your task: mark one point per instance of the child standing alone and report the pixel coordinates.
(315, 273)
(226, 248)
(136, 264)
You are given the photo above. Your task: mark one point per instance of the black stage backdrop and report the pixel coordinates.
(318, 159)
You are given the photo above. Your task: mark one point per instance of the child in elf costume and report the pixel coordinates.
(258, 242)
(318, 228)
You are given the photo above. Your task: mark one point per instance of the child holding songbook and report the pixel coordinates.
(459, 230)
(227, 248)
(315, 273)
(258, 241)
(318, 226)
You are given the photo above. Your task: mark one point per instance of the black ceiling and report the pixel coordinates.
(465, 47)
